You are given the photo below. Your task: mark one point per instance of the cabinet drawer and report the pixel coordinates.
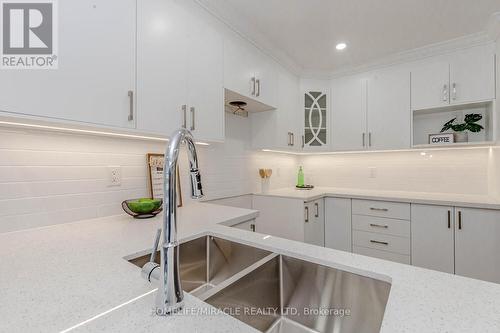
(382, 242)
(381, 225)
(403, 259)
(395, 210)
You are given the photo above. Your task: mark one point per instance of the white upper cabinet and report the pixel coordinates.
(279, 128)
(315, 105)
(472, 75)
(96, 68)
(205, 79)
(372, 112)
(178, 84)
(465, 76)
(430, 85)
(162, 66)
(349, 114)
(249, 72)
(389, 114)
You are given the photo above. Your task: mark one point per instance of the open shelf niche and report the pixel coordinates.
(431, 121)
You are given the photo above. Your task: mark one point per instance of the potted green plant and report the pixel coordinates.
(461, 129)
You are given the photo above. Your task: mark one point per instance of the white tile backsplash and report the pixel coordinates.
(463, 171)
(49, 178)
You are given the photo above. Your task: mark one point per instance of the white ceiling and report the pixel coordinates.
(306, 31)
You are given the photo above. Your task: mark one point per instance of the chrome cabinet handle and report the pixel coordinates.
(378, 242)
(445, 93)
(253, 86)
(307, 214)
(131, 105)
(454, 91)
(449, 219)
(378, 226)
(364, 141)
(317, 209)
(293, 139)
(257, 93)
(303, 141)
(290, 139)
(379, 209)
(193, 112)
(459, 220)
(184, 115)
(370, 139)
(252, 227)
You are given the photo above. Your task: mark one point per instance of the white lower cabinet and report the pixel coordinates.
(338, 228)
(247, 225)
(291, 218)
(432, 237)
(477, 243)
(464, 241)
(314, 222)
(280, 217)
(381, 229)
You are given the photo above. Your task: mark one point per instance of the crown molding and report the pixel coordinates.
(242, 27)
(413, 55)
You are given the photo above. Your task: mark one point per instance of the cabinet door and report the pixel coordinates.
(389, 114)
(315, 113)
(430, 85)
(266, 76)
(280, 217)
(314, 223)
(162, 42)
(432, 237)
(472, 75)
(96, 68)
(349, 114)
(477, 243)
(338, 226)
(279, 128)
(205, 79)
(239, 67)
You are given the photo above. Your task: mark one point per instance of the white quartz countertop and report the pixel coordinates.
(74, 278)
(445, 199)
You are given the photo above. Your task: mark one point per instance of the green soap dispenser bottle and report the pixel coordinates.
(300, 177)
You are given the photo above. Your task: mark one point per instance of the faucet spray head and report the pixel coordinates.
(196, 188)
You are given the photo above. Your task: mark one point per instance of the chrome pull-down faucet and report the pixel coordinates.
(170, 297)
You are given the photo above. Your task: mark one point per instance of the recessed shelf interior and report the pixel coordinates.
(431, 121)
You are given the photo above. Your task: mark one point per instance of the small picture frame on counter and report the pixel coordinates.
(155, 173)
(441, 139)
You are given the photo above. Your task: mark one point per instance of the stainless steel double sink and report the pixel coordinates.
(277, 293)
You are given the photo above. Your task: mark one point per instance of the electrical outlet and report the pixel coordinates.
(373, 172)
(114, 175)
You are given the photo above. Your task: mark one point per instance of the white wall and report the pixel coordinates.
(454, 171)
(50, 178)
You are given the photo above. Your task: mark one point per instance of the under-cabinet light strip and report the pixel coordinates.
(380, 151)
(85, 131)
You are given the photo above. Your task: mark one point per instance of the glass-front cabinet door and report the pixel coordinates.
(315, 119)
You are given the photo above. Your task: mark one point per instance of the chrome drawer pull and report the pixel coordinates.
(379, 226)
(379, 209)
(378, 242)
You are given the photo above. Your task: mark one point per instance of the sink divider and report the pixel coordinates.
(209, 293)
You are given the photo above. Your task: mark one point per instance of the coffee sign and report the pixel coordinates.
(441, 139)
